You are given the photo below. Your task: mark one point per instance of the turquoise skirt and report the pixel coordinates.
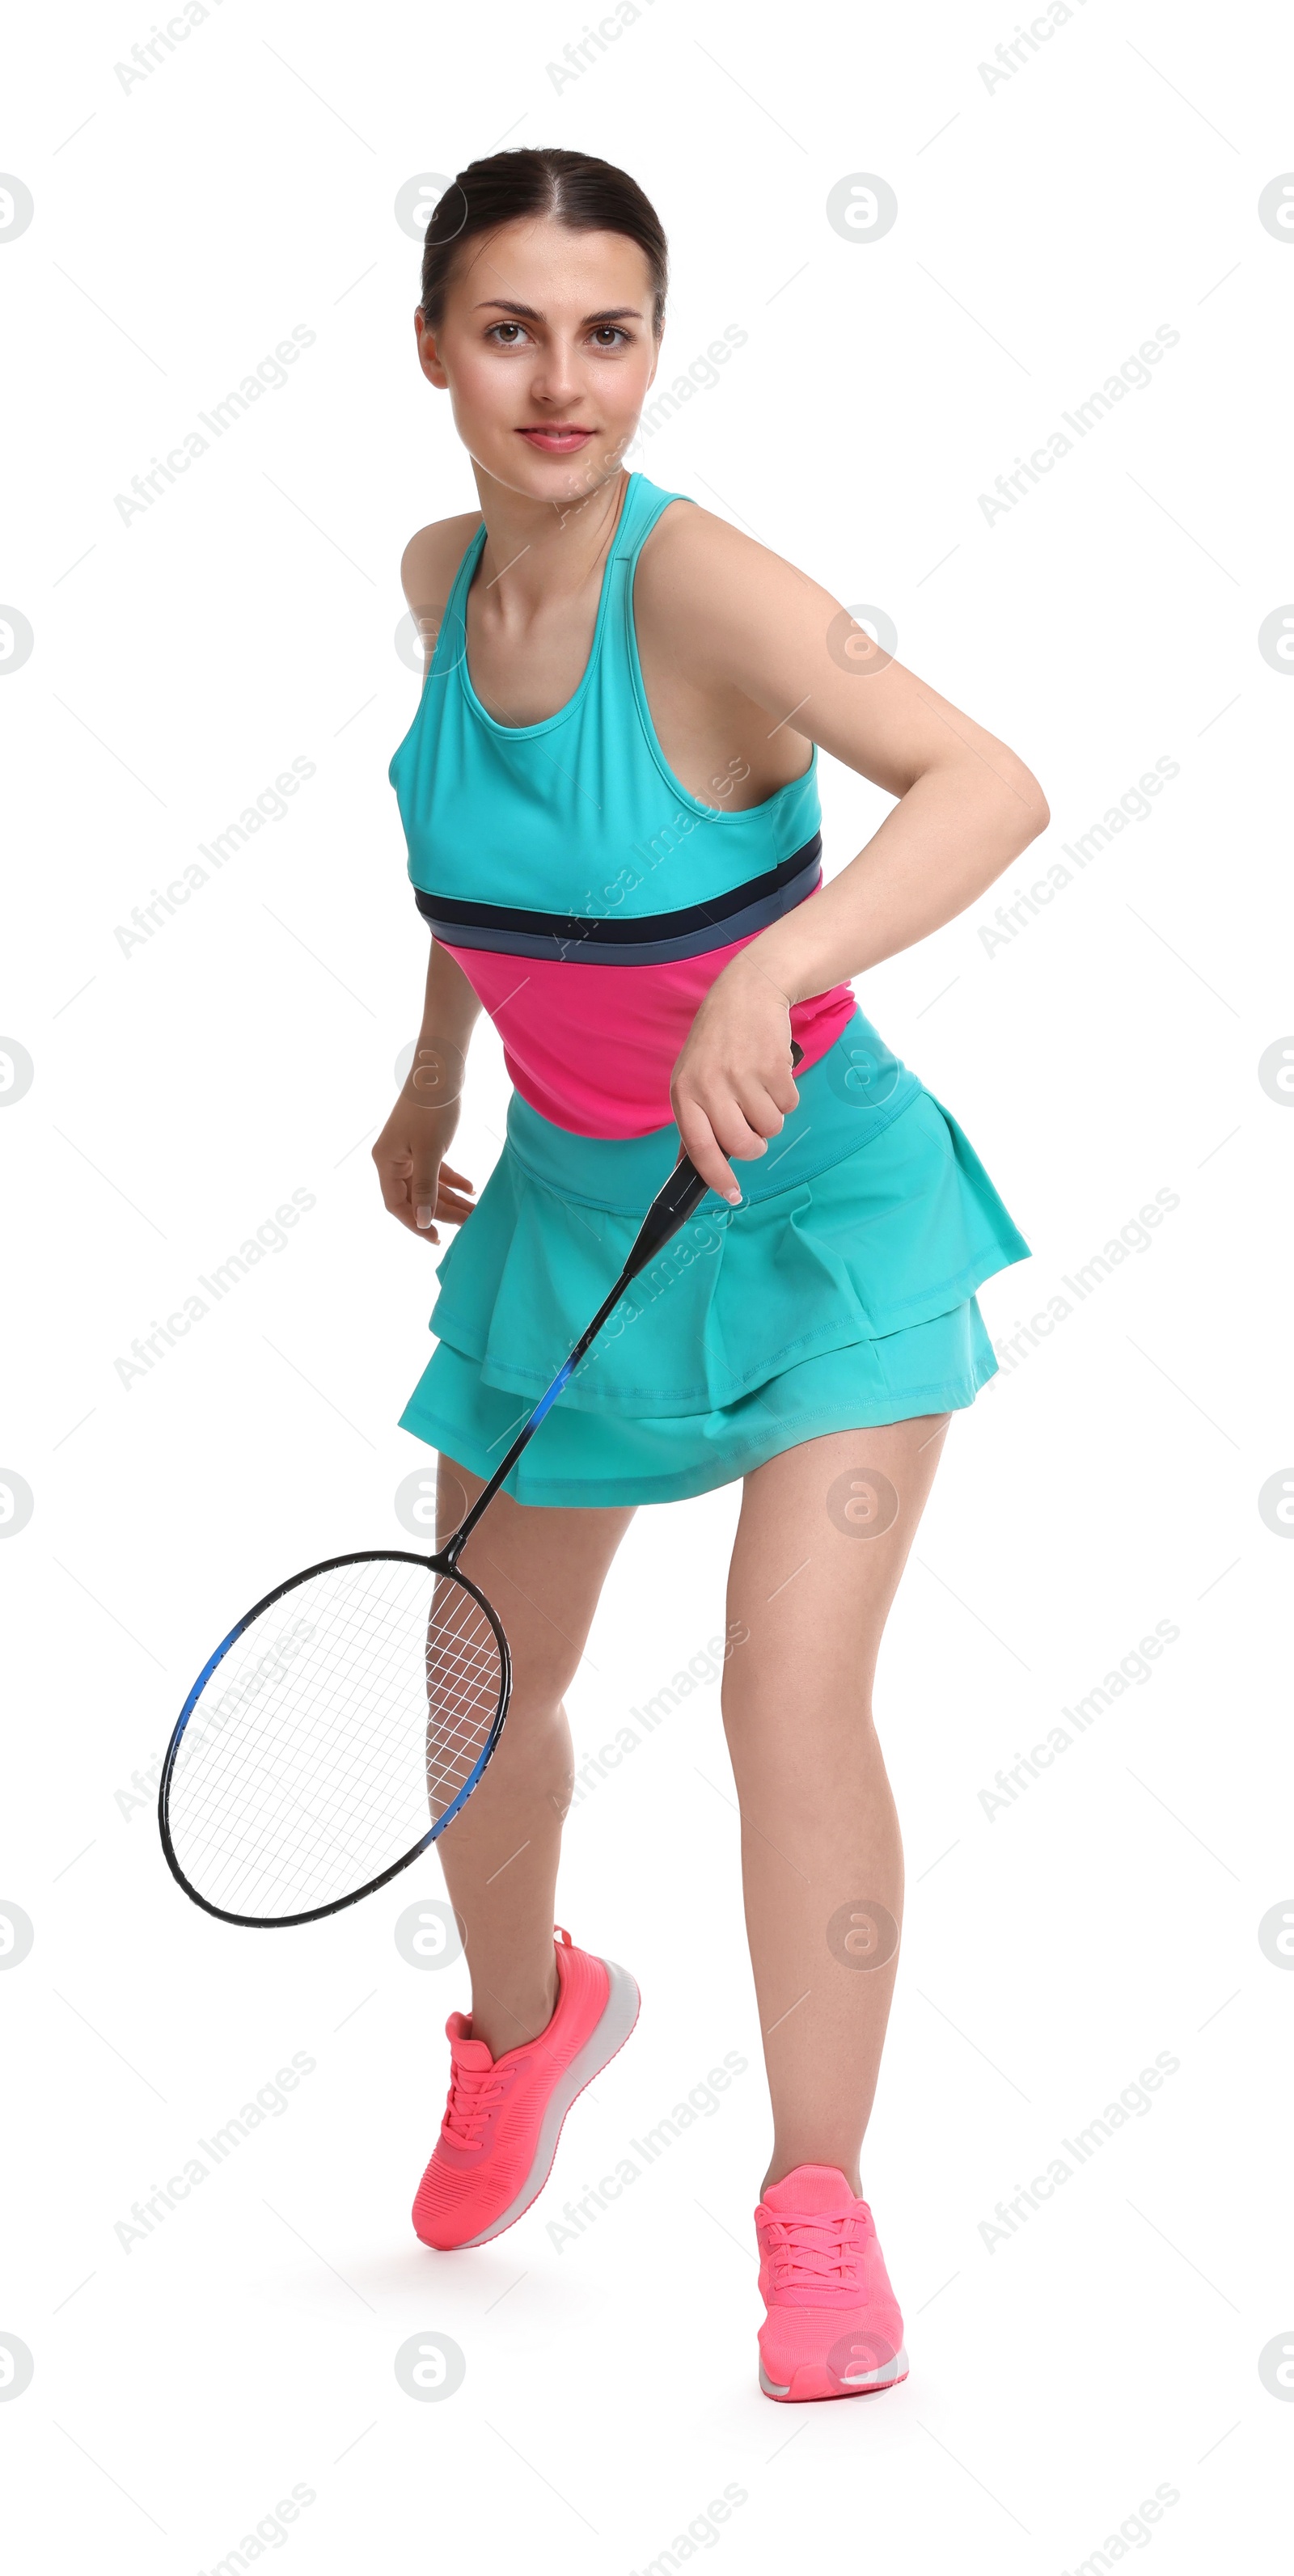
(839, 1294)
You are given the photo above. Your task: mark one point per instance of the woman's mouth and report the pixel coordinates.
(559, 441)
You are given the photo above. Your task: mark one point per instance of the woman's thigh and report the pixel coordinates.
(823, 1537)
(541, 1568)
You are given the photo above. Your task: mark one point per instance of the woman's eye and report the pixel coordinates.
(509, 335)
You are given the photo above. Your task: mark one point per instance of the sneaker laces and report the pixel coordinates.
(820, 2252)
(474, 2092)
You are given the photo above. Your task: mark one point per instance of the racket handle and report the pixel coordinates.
(673, 1205)
(669, 1209)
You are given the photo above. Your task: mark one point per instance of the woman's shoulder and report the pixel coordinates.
(699, 578)
(686, 538)
(689, 555)
(432, 557)
(427, 569)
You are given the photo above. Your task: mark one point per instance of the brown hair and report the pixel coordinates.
(587, 194)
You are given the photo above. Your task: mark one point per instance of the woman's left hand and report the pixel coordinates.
(732, 1086)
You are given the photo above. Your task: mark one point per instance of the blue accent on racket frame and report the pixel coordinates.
(551, 1398)
(207, 1671)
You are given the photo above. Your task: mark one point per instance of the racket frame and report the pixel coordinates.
(441, 1563)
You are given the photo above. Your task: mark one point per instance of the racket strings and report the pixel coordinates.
(336, 1730)
(359, 1788)
(452, 1725)
(258, 1795)
(369, 1780)
(453, 1712)
(334, 1824)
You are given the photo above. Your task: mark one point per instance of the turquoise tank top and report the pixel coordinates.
(589, 897)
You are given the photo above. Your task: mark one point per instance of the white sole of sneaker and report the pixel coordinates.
(619, 2013)
(815, 2383)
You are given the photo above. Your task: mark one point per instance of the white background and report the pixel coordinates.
(1110, 1480)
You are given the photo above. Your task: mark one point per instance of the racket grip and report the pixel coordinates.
(673, 1205)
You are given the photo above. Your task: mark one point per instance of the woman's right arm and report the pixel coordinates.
(418, 1185)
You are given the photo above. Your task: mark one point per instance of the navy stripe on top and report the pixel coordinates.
(653, 939)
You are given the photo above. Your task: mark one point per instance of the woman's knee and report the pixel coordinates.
(541, 1570)
(799, 1714)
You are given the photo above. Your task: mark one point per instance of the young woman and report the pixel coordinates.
(610, 798)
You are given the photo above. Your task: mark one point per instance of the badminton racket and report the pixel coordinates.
(346, 1719)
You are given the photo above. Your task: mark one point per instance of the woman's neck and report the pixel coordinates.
(542, 551)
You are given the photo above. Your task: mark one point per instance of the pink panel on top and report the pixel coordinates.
(593, 1047)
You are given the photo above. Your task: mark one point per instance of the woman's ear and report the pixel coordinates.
(428, 355)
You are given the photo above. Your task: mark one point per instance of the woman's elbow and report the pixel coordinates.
(1028, 806)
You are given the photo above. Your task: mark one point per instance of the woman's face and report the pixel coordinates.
(547, 350)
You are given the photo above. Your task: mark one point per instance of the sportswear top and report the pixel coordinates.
(588, 896)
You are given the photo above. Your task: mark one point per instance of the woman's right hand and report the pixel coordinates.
(417, 1184)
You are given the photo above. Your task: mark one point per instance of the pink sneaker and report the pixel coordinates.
(833, 2327)
(504, 2115)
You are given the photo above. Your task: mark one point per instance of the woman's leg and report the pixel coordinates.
(823, 1537)
(543, 1571)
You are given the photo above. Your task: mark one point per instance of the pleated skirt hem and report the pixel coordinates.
(584, 1458)
(838, 1301)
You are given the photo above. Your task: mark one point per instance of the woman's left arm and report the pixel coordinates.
(967, 806)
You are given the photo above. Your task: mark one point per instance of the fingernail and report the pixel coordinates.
(425, 1215)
